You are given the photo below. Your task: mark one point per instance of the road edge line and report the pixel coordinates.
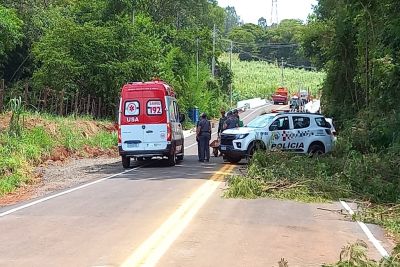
(377, 244)
(41, 200)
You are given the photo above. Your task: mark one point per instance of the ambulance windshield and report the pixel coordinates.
(261, 121)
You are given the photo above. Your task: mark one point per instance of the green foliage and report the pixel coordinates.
(19, 153)
(10, 31)
(260, 79)
(16, 108)
(103, 140)
(357, 43)
(282, 41)
(354, 255)
(88, 48)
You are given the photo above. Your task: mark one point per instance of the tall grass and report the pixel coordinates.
(20, 153)
(260, 79)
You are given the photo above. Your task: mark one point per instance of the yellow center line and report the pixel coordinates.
(153, 248)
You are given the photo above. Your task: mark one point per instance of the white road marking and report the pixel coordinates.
(368, 233)
(257, 109)
(63, 193)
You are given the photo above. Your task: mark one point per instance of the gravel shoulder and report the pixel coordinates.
(55, 176)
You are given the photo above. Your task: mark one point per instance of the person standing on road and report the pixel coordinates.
(204, 135)
(236, 114)
(231, 122)
(221, 122)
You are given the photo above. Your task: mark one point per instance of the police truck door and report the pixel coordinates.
(279, 132)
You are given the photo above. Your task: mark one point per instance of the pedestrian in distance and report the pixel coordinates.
(203, 133)
(231, 121)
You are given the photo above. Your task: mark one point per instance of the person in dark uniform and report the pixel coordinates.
(221, 122)
(231, 122)
(204, 135)
(236, 114)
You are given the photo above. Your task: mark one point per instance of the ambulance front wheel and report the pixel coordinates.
(126, 162)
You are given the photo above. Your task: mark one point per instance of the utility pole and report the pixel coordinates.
(230, 67)
(213, 58)
(282, 73)
(197, 59)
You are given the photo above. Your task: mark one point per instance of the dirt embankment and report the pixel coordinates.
(62, 167)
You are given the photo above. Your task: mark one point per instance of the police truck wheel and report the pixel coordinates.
(126, 162)
(233, 159)
(315, 150)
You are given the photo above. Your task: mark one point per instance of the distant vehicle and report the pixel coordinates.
(297, 132)
(149, 123)
(280, 96)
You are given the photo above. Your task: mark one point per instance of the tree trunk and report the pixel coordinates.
(88, 105)
(2, 91)
(61, 102)
(45, 98)
(76, 103)
(99, 109)
(26, 92)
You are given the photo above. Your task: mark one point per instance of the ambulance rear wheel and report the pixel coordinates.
(126, 162)
(180, 157)
(172, 159)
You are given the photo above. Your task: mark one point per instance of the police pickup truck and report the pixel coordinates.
(297, 132)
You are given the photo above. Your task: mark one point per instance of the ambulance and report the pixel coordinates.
(149, 123)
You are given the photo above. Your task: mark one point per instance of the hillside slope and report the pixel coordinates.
(260, 79)
(45, 137)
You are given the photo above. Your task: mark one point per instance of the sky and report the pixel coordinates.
(251, 10)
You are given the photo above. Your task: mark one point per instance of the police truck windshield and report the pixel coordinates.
(261, 122)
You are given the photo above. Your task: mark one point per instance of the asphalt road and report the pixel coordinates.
(158, 215)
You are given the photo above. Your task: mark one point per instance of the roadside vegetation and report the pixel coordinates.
(357, 45)
(260, 79)
(29, 139)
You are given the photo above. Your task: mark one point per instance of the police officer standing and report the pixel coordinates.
(203, 132)
(221, 122)
(231, 122)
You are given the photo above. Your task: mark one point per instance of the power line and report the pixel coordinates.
(274, 62)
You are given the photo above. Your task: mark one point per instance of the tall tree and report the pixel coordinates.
(10, 32)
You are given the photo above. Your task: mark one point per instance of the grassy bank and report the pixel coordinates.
(45, 137)
(372, 180)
